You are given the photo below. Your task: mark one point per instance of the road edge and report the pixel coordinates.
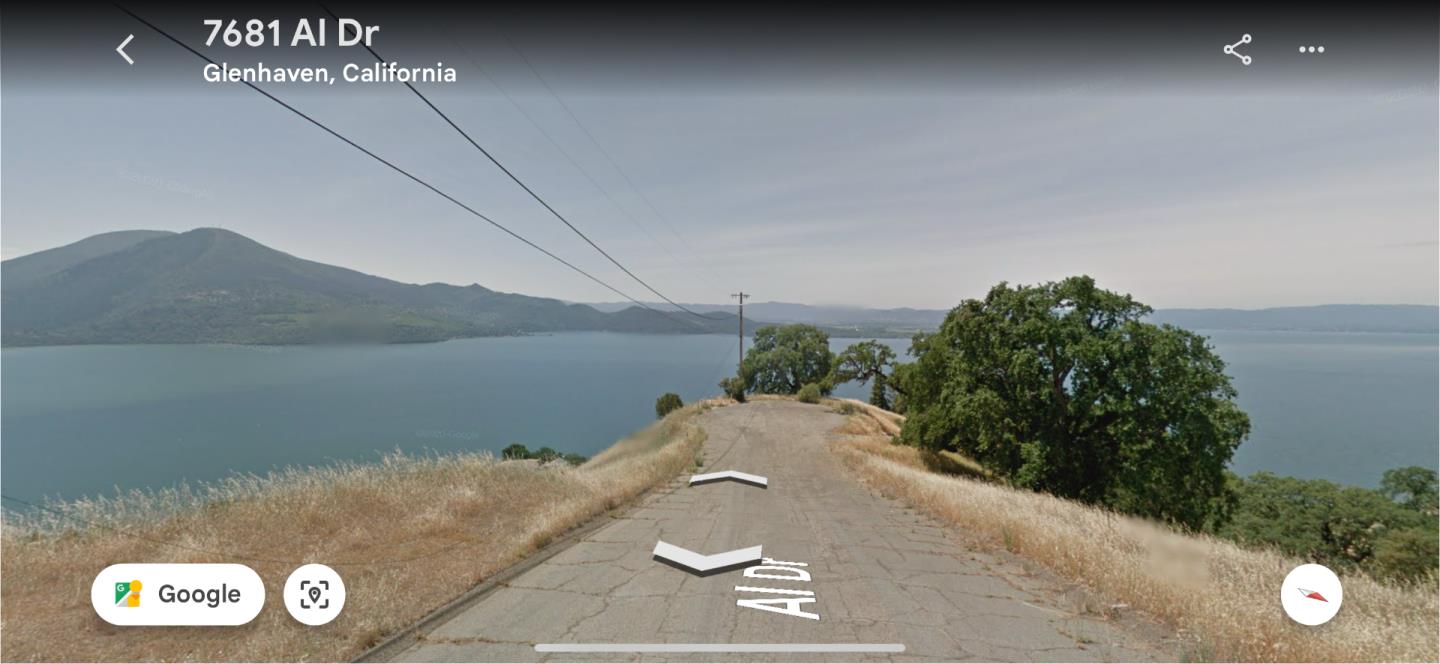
(399, 642)
(387, 649)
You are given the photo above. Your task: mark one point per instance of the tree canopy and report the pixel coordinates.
(1345, 527)
(1412, 486)
(867, 361)
(1061, 387)
(784, 358)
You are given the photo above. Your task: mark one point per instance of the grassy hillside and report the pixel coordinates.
(214, 286)
(409, 534)
(1220, 598)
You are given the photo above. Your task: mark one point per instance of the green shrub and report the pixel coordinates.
(575, 459)
(1345, 527)
(668, 402)
(1407, 555)
(734, 388)
(810, 393)
(516, 452)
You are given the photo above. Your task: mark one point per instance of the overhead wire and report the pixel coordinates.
(594, 141)
(530, 191)
(418, 180)
(624, 210)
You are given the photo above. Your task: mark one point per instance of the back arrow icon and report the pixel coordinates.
(121, 49)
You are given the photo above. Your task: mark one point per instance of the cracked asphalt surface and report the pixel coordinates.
(880, 572)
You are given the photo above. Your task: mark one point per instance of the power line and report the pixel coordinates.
(718, 371)
(398, 169)
(593, 141)
(565, 153)
(527, 188)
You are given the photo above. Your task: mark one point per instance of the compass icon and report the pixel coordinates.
(1311, 594)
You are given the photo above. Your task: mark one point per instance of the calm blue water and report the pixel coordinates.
(83, 420)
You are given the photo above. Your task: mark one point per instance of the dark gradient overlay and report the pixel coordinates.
(718, 48)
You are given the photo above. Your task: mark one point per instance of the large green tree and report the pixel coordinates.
(784, 358)
(867, 361)
(1062, 387)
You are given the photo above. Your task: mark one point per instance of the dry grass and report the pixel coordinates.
(407, 535)
(1222, 599)
(874, 428)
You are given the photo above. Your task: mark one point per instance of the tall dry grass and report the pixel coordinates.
(406, 534)
(1222, 599)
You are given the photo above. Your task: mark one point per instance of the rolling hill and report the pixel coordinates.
(210, 285)
(843, 321)
(1319, 318)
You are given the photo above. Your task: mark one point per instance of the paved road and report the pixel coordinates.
(880, 573)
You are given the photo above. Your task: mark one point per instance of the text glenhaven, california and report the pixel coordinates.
(387, 72)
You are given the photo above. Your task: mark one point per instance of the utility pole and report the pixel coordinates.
(741, 295)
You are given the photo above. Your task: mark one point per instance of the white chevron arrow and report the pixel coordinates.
(706, 565)
(735, 475)
(121, 49)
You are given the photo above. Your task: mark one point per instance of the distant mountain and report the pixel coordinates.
(861, 322)
(27, 269)
(841, 321)
(1321, 318)
(215, 286)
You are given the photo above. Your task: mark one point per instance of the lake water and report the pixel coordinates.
(83, 420)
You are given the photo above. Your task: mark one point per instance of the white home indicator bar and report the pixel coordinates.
(720, 647)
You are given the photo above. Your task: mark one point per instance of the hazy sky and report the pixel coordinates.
(829, 190)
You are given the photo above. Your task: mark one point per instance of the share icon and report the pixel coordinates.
(1230, 49)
